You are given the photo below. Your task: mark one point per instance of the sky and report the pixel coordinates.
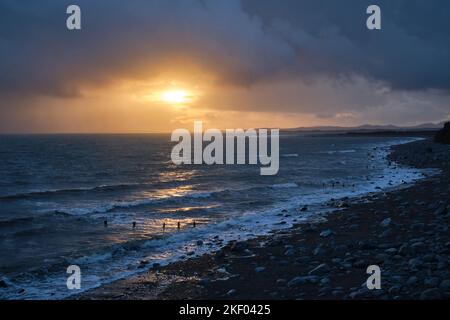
(158, 65)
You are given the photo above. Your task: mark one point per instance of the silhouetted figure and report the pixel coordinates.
(164, 226)
(105, 223)
(193, 224)
(134, 224)
(179, 225)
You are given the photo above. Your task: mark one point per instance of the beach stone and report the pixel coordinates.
(415, 263)
(297, 281)
(391, 251)
(381, 258)
(445, 284)
(319, 251)
(385, 234)
(418, 247)
(364, 245)
(343, 204)
(281, 281)
(358, 293)
(386, 222)
(3, 284)
(441, 210)
(360, 264)
(325, 281)
(431, 282)
(260, 269)
(289, 252)
(326, 233)
(320, 270)
(337, 293)
(412, 281)
(199, 242)
(143, 262)
(405, 250)
(231, 292)
(394, 289)
(429, 257)
(238, 246)
(430, 294)
(283, 263)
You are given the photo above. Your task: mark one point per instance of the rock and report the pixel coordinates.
(363, 245)
(326, 233)
(319, 251)
(260, 269)
(304, 208)
(431, 282)
(391, 251)
(394, 289)
(418, 247)
(3, 284)
(143, 263)
(358, 293)
(325, 281)
(386, 222)
(429, 257)
(289, 252)
(283, 263)
(381, 258)
(238, 246)
(412, 281)
(320, 270)
(430, 294)
(231, 292)
(337, 293)
(360, 264)
(297, 281)
(441, 210)
(443, 135)
(445, 284)
(405, 250)
(281, 281)
(385, 234)
(199, 242)
(343, 204)
(415, 263)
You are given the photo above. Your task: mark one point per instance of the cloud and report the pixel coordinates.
(412, 51)
(312, 57)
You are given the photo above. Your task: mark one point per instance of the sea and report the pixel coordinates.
(116, 205)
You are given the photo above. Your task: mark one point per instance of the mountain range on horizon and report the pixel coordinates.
(430, 126)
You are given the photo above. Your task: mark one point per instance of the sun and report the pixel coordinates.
(175, 96)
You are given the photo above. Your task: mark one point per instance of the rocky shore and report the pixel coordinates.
(404, 232)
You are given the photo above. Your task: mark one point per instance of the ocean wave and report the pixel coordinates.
(117, 205)
(340, 151)
(31, 194)
(284, 185)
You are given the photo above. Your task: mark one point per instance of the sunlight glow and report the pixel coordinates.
(175, 96)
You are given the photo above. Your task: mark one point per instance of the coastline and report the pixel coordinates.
(404, 231)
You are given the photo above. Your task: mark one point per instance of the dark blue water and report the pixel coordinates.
(56, 191)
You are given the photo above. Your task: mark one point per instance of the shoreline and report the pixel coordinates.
(324, 260)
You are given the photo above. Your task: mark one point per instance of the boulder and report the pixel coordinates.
(443, 135)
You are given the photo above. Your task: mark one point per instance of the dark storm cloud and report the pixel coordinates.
(242, 42)
(412, 51)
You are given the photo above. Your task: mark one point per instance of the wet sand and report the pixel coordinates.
(404, 231)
